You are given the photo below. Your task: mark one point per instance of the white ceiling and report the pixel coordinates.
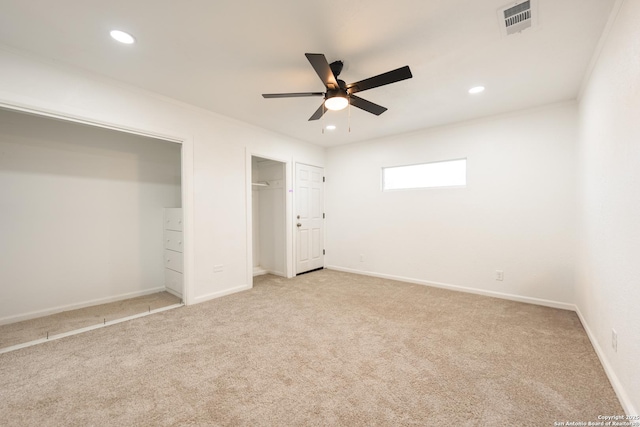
(222, 55)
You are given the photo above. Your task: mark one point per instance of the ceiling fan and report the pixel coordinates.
(339, 94)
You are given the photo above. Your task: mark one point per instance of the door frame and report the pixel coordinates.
(186, 174)
(288, 212)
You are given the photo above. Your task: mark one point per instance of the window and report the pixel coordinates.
(448, 173)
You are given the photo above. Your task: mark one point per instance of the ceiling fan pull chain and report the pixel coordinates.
(323, 111)
(349, 116)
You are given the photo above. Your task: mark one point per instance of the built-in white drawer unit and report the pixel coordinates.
(173, 219)
(173, 260)
(173, 240)
(173, 281)
(173, 248)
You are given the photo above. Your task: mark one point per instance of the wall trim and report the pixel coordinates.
(501, 295)
(219, 294)
(623, 397)
(75, 118)
(75, 306)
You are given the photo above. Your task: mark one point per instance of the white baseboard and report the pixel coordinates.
(623, 397)
(259, 271)
(174, 293)
(512, 297)
(219, 294)
(75, 306)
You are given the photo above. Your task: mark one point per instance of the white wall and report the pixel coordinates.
(608, 263)
(516, 213)
(216, 193)
(81, 213)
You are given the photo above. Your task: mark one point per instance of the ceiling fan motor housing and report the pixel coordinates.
(336, 67)
(331, 93)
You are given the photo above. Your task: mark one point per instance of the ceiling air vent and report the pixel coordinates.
(517, 18)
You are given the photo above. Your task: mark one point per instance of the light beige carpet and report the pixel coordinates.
(34, 329)
(323, 349)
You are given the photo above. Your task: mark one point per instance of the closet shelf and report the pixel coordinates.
(261, 184)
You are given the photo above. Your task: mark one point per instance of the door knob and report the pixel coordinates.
(299, 225)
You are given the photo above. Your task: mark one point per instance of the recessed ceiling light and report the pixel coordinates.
(122, 37)
(476, 89)
(331, 127)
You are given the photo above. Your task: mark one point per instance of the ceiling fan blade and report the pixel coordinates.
(319, 112)
(389, 77)
(365, 105)
(291, 95)
(320, 64)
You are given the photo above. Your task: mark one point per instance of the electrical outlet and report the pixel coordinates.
(499, 275)
(614, 340)
(361, 258)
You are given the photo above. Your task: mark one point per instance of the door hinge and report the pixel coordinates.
(323, 217)
(323, 252)
(323, 179)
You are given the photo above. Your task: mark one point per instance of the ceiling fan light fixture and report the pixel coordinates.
(336, 103)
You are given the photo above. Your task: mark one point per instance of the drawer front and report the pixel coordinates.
(173, 240)
(173, 219)
(173, 280)
(173, 260)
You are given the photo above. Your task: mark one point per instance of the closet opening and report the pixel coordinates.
(91, 230)
(268, 201)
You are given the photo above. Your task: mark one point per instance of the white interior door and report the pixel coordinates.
(309, 220)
